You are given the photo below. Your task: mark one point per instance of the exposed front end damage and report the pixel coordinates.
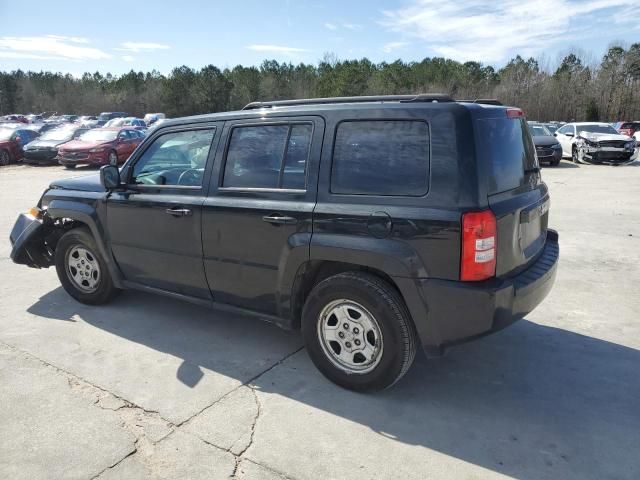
(599, 148)
(33, 239)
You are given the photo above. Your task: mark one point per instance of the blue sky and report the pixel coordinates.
(117, 36)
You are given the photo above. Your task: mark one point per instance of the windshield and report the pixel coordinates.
(58, 134)
(5, 133)
(552, 128)
(99, 136)
(539, 130)
(597, 129)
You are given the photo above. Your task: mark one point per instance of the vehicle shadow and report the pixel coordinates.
(531, 402)
(566, 164)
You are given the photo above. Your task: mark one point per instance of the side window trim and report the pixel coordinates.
(203, 187)
(290, 124)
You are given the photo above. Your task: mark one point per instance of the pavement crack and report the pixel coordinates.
(245, 384)
(133, 452)
(239, 455)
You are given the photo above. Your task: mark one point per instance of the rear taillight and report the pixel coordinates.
(478, 259)
(514, 113)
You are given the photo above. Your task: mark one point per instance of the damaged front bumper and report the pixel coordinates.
(616, 156)
(28, 240)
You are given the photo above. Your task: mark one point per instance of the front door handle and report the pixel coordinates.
(179, 212)
(279, 219)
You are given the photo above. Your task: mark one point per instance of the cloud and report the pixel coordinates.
(352, 26)
(50, 47)
(391, 46)
(481, 31)
(137, 47)
(128, 58)
(276, 49)
(331, 26)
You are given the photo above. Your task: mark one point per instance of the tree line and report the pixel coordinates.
(576, 90)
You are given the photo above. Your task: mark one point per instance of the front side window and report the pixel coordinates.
(381, 157)
(177, 158)
(268, 156)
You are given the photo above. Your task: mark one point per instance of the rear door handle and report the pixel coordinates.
(178, 212)
(279, 219)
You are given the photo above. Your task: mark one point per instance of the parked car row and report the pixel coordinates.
(68, 139)
(69, 145)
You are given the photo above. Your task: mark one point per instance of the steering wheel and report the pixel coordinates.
(194, 179)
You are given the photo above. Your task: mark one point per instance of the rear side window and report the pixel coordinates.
(510, 151)
(381, 157)
(268, 156)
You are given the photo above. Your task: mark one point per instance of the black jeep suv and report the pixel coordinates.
(373, 223)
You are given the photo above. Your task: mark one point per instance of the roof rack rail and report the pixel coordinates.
(423, 97)
(488, 101)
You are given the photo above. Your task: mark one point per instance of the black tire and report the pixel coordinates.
(112, 158)
(105, 290)
(555, 163)
(5, 158)
(398, 335)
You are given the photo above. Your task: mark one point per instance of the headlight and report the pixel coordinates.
(96, 150)
(590, 143)
(557, 146)
(630, 145)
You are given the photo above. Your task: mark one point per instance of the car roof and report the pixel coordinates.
(326, 107)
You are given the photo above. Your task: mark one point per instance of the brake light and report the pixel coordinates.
(478, 258)
(514, 113)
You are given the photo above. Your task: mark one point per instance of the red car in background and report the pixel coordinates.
(11, 142)
(627, 128)
(100, 146)
(15, 118)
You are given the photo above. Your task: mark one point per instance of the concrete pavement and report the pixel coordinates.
(149, 387)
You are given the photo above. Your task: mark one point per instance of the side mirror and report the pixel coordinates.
(555, 134)
(110, 177)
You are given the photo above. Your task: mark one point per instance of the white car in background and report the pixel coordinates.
(593, 142)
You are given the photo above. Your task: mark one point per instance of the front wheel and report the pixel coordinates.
(575, 156)
(81, 269)
(358, 331)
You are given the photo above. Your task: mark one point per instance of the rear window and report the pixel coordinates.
(510, 151)
(381, 157)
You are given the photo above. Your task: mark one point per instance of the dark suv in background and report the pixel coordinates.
(373, 223)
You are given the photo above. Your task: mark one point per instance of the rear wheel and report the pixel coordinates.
(358, 331)
(81, 269)
(5, 159)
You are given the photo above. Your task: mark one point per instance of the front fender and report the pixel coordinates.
(88, 215)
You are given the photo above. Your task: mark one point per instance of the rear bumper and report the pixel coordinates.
(454, 312)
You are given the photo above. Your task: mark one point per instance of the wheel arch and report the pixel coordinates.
(83, 215)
